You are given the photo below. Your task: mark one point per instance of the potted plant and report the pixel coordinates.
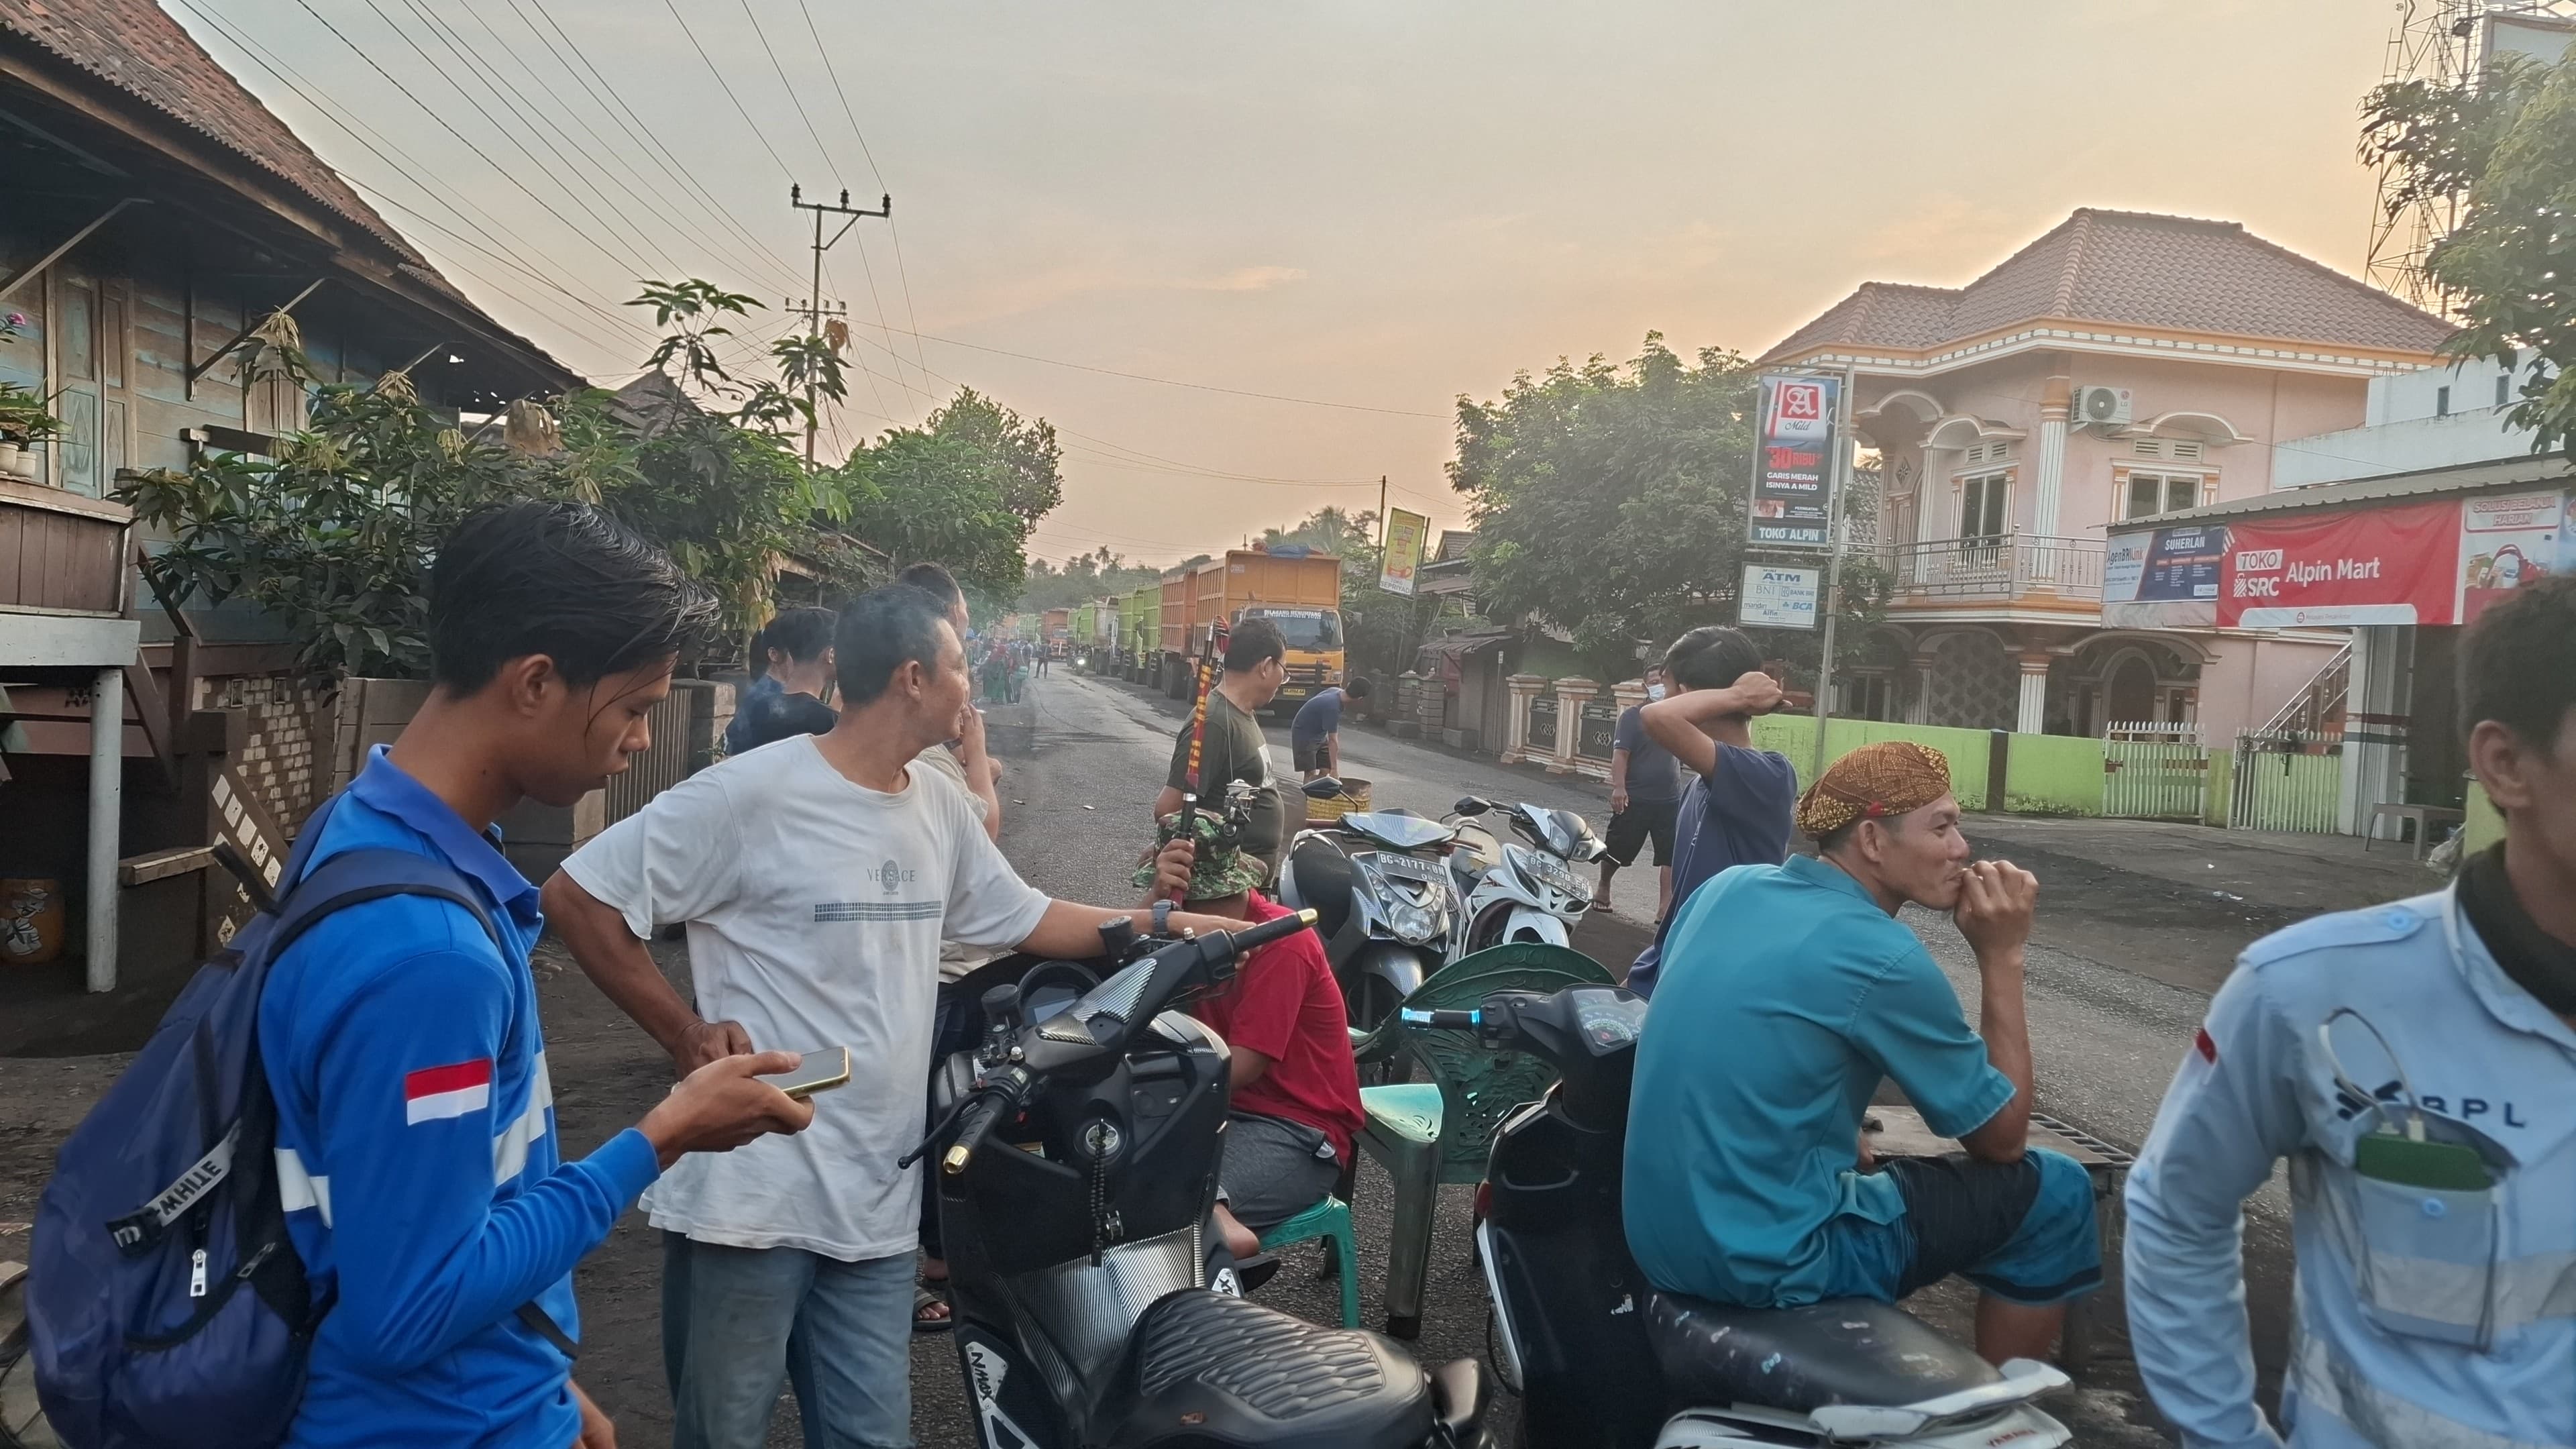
(23, 423)
(23, 419)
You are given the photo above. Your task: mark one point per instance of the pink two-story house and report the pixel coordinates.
(2122, 366)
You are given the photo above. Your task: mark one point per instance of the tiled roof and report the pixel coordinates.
(2137, 268)
(136, 47)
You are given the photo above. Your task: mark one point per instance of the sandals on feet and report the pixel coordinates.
(931, 1312)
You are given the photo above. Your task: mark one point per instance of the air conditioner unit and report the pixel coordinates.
(2101, 405)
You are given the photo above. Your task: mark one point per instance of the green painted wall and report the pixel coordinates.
(2485, 824)
(1967, 750)
(2222, 787)
(2054, 775)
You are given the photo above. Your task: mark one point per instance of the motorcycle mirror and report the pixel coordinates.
(1473, 805)
(1323, 787)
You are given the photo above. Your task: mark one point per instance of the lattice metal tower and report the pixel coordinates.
(2443, 42)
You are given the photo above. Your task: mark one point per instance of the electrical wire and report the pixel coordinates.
(637, 126)
(409, 167)
(504, 172)
(757, 134)
(685, 225)
(893, 234)
(529, 126)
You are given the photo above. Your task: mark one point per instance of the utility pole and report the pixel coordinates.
(1840, 483)
(814, 309)
(1381, 512)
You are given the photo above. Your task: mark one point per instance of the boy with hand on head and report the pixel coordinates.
(417, 1156)
(1736, 810)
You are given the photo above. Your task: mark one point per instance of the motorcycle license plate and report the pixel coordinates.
(1405, 867)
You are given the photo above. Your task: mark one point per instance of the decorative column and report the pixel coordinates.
(2032, 717)
(1628, 694)
(1918, 710)
(1571, 696)
(1523, 688)
(2048, 471)
(1408, 697)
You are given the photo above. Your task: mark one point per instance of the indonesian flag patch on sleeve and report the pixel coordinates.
(434, 1094)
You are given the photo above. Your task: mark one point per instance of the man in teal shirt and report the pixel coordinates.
(1787, 993)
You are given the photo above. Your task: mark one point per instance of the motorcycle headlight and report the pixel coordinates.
(1412, 924)
(1547, 870)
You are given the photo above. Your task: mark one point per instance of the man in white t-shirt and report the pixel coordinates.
(817, 877)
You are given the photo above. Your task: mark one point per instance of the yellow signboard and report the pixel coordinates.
(1405, 533)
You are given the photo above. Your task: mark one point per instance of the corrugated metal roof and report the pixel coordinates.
(2532, 472)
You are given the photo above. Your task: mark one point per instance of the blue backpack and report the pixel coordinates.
(166, 1305)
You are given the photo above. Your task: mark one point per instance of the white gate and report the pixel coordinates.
(2288, 780)
(2155, 772)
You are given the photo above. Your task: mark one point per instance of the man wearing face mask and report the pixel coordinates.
(2415, 1065)
(1788, 992)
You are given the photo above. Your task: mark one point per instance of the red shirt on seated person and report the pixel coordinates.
(1296, 1091)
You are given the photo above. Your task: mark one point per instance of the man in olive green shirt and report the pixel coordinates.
(1232, 747)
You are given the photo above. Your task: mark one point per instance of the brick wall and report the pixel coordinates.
(285, 757)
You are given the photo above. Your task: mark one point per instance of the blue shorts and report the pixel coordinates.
(2023, 1231)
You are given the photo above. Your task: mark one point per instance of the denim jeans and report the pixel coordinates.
(735, 1321)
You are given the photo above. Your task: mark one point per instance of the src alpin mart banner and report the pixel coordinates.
(1792, 498)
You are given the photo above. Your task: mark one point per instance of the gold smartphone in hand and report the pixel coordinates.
(822, 1069)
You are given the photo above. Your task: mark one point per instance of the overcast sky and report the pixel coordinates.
(1380, 204)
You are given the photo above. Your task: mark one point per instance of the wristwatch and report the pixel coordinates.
(1162, 918)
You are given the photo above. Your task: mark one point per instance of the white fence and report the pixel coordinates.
(2155, 771)
(2288, 780)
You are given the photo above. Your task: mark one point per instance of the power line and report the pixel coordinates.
(638, 126)
(850, 113)
(458, 207)
(789, 87)
(504, 172)
(471, 65)
(1175, 382)
(757, 134)
(714, 246)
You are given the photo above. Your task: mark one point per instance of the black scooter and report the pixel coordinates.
(1077, 1148)
(1390, 914)
(1602, 1360)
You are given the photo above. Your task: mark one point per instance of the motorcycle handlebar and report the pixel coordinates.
(1253, 938)
(981, 1115)
(1445, 1020)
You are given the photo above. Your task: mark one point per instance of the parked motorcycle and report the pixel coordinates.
(1604, 1361)
(1524, 890)
(1386, 906)
(1094, 1307)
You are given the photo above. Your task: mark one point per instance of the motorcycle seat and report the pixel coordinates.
(1322, 875)
(1841, 1351)
(1204, 1370)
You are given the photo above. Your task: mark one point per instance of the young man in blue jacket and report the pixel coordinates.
(417, 1155)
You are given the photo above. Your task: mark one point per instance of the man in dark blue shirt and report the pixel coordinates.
(799, 645)
(1315, 735)
(1645, 800)
(417, 1158)
(1737, 809)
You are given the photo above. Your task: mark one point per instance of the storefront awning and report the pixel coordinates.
(2432, 547)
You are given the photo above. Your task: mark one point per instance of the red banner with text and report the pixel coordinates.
(2377, 566)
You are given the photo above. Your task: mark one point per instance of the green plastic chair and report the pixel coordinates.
(1331, 1221)
(1430, 1134)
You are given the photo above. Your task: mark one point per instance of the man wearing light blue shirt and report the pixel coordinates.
(2415, 1064)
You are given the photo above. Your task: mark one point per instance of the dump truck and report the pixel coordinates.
(1301, 592)
(1140, 630)
(1175, 663)
(1080, 621)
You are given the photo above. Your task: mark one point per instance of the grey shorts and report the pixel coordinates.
(1274, 1169)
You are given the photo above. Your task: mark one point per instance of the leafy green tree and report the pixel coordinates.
(1083, 578)
(1609, 500)
(964, 489)
(2504, 149)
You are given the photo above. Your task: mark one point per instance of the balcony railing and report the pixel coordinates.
(1997, 570)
